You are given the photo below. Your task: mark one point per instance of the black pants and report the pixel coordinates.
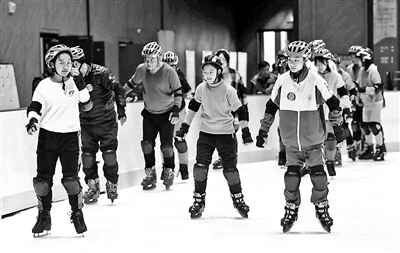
(152, 125)
(52, 146)
(103, 136)
(226, 145)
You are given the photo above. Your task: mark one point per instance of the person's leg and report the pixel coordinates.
(149, 135)
(182, 148)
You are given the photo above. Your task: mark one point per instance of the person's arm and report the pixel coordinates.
(193, 108)
(34, 111)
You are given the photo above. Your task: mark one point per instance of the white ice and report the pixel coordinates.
(364, 200)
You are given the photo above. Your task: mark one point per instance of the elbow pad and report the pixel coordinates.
(194, 105)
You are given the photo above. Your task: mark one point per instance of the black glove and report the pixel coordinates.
(246, 136)
(347, 114)
(31, 127)
(335, 117)
(182, 131)
(261, 138)
(339, 132)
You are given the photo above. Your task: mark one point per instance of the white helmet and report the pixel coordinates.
(170, 58)
(77, 53)
(298, 49)
(54, 51)
(151, 49)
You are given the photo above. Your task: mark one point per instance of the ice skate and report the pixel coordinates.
(379, 154)
(321, 211)
(338, 157)
(240, 205)
(43, 224)
(291, 212)
(150, 180)
(367, 154)
(111, 189)
(93, 192)
(197, 209)
(78, 221)
(168, 178)
(217, 165)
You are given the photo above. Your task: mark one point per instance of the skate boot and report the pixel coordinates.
(197, 209)
(168, 178)
(338, 157)
(367, 154)
(43, 224)
(321, 211)
(111, 189)
(150, 180)
(358, 147)
(78, 221)
(93, 192)
(282, 159)
(240, 205)
(217, 165)
(183, 170)
(352, 152)
(330, 167)
(379, 154)
(291, 211)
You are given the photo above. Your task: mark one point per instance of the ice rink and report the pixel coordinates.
(363, 197)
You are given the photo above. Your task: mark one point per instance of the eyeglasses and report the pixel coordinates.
(295, 60)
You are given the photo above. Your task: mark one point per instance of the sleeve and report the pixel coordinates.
(275, 91)
(233, 99)
(184, 83)
(375, 77)
(35, 107)
(198, 93)
(322, 86)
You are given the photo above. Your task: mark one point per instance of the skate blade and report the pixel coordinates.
(146, 188)
(42, 234)
(287, 228)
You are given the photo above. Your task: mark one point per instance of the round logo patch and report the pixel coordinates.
(291, 96)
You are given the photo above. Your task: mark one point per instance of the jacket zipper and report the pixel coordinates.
(298, 130)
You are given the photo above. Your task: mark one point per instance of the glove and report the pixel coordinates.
(340, 133)
(174, 116)
(122, 118)
(32, 126)
(347, 114)
(246, 136)
(262, 138)
(335, 117)
(180, 134)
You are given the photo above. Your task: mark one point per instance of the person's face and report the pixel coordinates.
(355, 60)
(223, 60)
(321, 66)
(295, 63)
(151, 62)
(209, 74)
(63, 64)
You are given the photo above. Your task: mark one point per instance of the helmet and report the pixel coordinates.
(323, 53)
(225, 53)
(170, 58)
(316, 44)
(54, 51)
(298, 49)
(77, 53)
(354, 49)
(364, 54)
(212, 60)
(151, 49)
(336, 58)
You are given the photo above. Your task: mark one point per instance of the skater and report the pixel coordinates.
(99, 127)
(299, 95)
(335, 134)
(217, 99)
(172, 59)
(371, 94)
(54, 112)
(233, 77)
(162, 95)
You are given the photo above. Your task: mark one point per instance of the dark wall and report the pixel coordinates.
(200, 25)
(255, 16)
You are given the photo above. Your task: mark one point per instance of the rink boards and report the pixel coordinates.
(18, 150)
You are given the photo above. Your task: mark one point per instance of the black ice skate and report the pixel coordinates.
(240, 205)
(78, 221)
(217, 165)
(379, 154)
(321, 211)
(183, 170)
(197, 209)
(282, 159)
(367, 154)
(168, 178)
(330, 167)
(150, 180)
(338, 157)
(352, 152)
(43, 224)
(112, 192)
(291, 211)
(93, 192)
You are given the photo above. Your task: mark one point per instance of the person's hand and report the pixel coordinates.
(335, 117)
(174, 115)
(89, 87)
(32, 126)
(122, 119)
(181, 133)
(262, 138)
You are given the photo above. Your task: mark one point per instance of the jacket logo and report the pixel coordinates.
(291, 96)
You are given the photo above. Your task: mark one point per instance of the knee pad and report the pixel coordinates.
(232, 176)
(292, 178)
(317, 170)
(375, 127)
(41, 187)
(167, 151)
(365, 128)
(330, 142)
(200, 172)
(180, 145)
(71, 185)
(147, 147)
(88, 160)
(293, 171)
(110, 157)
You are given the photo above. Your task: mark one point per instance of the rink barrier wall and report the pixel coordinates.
(18, 150)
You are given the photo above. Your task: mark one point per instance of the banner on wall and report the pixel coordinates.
(8, 87)
(385, 36)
